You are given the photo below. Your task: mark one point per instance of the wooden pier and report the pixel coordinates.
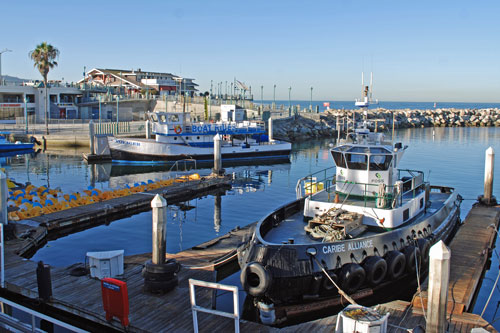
(77, 299)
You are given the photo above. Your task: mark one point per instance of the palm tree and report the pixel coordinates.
(44, 56)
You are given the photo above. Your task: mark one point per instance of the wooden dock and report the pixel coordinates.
(77, 299)
(80, 218)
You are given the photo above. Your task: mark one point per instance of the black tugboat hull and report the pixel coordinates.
(288, 275)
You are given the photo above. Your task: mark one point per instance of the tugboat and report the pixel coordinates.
(364, 223)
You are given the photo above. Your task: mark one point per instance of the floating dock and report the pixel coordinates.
(77, 299)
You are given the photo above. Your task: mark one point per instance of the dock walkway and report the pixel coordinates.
(77, 299)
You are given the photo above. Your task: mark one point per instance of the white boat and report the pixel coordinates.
(366, 93)
(177, 138)
(368, 227)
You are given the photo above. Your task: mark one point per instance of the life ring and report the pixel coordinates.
(352, 277)
(376, 269)
(255, 279)
(327, 285)
(424, 245)
(178, 129)
(395, 264)
(412, 254)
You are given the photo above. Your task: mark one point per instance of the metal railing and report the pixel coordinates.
(195, 308)
(14, 323)
(326, 177)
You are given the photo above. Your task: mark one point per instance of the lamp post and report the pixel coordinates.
(99, 111)
(210, 100)
(311, 105)
(289, 102)
(1, 52)
(261, 98)
(26, 112)
(117, 112)
(274, 97)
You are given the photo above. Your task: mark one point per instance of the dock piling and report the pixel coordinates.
(148, 129)
(489, 165)
(159, 206)
(217, 154)
(439, 275)
(4, 194)
(270, 129)
(91, 136)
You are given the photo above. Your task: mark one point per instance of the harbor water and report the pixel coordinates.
(448, 156)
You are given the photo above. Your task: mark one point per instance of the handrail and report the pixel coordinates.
(195, 308)
(15, 323)
(183, 160)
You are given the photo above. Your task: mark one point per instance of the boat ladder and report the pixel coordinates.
(195, 308)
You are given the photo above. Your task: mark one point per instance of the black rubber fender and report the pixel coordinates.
(327, 285)
(351, 277)
(375, 268)
(157, 276)
(255, 279)
(171, 266)
(425, 246)
(396, 263)
(160, 286)
(412, 255)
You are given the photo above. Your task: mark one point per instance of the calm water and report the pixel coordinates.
(453, 156)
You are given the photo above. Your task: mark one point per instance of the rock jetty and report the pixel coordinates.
(313, 125)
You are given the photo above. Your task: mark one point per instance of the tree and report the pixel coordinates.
(44, 57)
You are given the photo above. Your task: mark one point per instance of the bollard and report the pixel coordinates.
(489, 165)
(270, 129)
(159, 205)
(44, 281)
(217, 154)
(4, 194)
(439, 274)
(91, 135)
(148, 129)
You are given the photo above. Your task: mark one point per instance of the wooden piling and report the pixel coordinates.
(270, 129)
(91, 136)
(159, 206)
(439, 274)
(148, 129)
(4, 194)
(217, 154)
(489, 164)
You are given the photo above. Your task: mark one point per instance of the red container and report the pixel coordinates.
(115, 299)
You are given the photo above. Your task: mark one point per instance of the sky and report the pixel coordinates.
(435, 51)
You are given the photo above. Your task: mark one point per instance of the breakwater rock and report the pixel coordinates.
(307, 125)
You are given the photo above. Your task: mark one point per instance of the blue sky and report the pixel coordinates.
(418, 50)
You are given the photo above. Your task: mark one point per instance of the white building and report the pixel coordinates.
(133, 81)
(28, 97)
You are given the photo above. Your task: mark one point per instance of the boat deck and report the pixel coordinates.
(293, 226)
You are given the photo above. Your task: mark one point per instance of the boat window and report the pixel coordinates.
(378, 150)
(357, 161)
(163, 119)
(173, 118)
(359, 150)
(154, 117)
(339, 159)
(380, 162)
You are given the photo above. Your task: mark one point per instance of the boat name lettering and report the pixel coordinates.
(360, 245)
(350, 246)
(123, 142)
(333, 248)
(207, 128)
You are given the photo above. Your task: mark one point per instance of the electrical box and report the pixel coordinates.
(115, 299)
(106, 263)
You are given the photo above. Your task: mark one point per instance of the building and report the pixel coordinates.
(22, 97)
(130, 82)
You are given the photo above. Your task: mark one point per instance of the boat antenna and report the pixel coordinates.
(371, 86)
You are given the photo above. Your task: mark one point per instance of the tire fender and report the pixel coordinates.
(351, 277)
(376, 269)
(255, 279)
(396, 263)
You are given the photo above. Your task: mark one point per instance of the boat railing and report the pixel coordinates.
(410, 185)
(315, 182)
(186, 161)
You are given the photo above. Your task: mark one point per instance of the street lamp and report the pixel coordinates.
(274, 98)
(1, 52)
(261, 98)
(311, 105)
(289, 102)
(26, 112)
